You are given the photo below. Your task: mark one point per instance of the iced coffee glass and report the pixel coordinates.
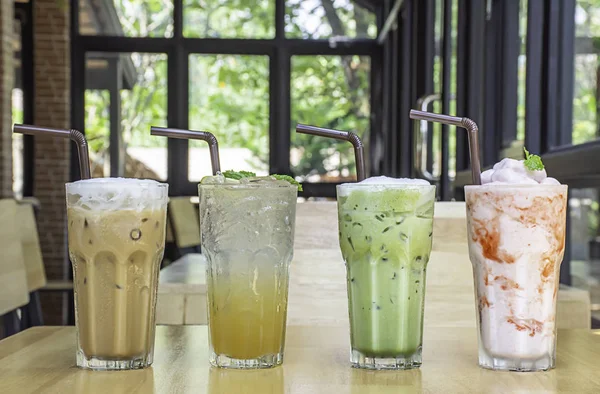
(116, 233)
(247, 230)
(516, 245)
(385, 228)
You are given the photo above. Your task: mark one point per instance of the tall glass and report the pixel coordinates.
(516, 245)
(247, 237)
(116, 233)
(385, 237)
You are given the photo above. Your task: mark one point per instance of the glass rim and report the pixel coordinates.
(111, 181)
(245, 186)
(383, 185)
(514, 186)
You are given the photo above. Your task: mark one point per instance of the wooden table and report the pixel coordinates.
(317, 294)
(182, 292)
(42, 359)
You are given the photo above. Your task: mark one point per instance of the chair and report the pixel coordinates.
(13, 276)
(184, 225)
(31, 314)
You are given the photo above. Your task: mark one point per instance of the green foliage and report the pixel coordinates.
(332, 92)
(229, 94)
(586, 122)
(237, 175)
(288, 179)
(229, 18)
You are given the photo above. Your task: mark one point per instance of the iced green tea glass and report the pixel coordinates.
(385, 237)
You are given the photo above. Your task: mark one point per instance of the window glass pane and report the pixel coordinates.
(329, 18)
(229, 96)
(332, 92)
(17, 113)
(229, 18)
(17, 143)
(585, 90)
(585, 244)
(130, 18)
(522, 71)
(434, 160)
(126, 94)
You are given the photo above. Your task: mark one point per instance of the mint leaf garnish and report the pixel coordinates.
(237, 175)
(289, 179)
(533, 162)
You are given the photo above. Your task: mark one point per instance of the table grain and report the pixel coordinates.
(42, 359)
(317, 292)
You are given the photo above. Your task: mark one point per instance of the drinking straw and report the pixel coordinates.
(340, 135)
(472, 135)
(72, 134)
(213, 144)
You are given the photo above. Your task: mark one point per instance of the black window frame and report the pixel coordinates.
(178, 49)
(24, 14)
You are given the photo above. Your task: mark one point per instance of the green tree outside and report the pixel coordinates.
(229, 94)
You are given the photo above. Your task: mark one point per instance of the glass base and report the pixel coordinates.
(266, 361)
(360, 360)
(101, 364)
(515, 364)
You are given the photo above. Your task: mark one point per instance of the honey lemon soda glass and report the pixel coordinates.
(385, 229)
(247, 228)
(247, 233)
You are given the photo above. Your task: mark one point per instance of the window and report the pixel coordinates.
(125, 94)
(17, 113)
(584, 233)
(332, 92)
(586, 126)
(228, 67)
(131, 18)
(229, 97)
(229, 18)
(522, 70)
(17, 143)
(329, 18)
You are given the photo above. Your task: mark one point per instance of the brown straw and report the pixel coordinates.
(213, 145)
(472, 135)
(73, 135)
(340, 135)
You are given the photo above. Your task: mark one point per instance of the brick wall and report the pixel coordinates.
(52, 109)
(6, 86)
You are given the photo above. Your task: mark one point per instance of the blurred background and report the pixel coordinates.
(249, 70)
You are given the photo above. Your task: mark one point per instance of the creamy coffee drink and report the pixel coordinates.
(116, 233)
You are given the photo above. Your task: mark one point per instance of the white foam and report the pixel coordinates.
(384, 180)
(117, 193)
(513, 172)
